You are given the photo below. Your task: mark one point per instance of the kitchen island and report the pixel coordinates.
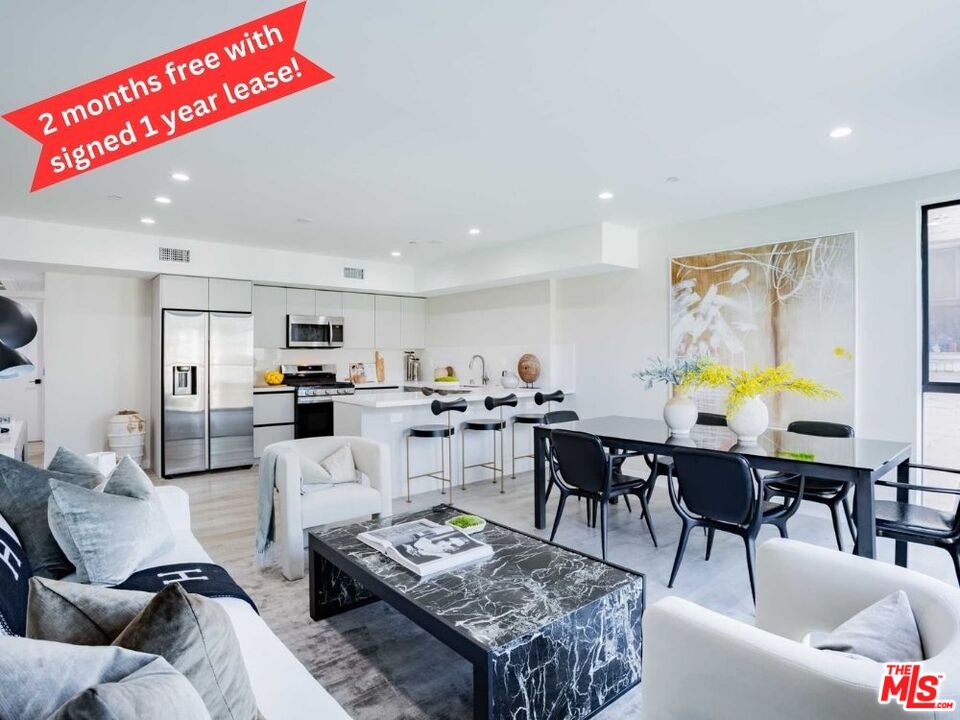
(387, 415)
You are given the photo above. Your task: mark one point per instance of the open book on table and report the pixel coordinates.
(426, 548)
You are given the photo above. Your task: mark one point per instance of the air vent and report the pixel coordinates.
(353, 273)
(178, 255)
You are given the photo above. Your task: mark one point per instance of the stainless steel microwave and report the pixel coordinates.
(313, 331)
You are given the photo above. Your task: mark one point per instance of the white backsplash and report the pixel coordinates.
(271, 358)
(556, 362)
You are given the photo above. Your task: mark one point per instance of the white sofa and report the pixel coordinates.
(283, 688)
(699, 664)
(298, 507)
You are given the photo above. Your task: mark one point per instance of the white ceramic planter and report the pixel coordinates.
(749, 421)
(680, 414)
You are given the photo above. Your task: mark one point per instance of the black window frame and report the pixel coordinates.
(928, 386)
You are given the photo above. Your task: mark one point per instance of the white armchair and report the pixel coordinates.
(699, 664)
(298, 507)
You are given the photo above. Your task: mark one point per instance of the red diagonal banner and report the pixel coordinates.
(168, 96)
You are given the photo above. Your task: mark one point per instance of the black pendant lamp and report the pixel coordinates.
(17, 328)
(13, 364)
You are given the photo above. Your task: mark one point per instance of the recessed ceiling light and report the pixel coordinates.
(114, 197)
(162, 200)
(395, 253)
(147, 220)
(840, 132)
(474, 231)
(606, 195)
(180, 177)
(673, 179)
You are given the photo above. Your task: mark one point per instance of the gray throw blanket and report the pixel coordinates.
(265, 524)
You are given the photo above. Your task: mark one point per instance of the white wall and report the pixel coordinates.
(97, 351)
(617, 321)
(500, 324)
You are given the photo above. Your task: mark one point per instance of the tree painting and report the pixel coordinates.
(784, 302)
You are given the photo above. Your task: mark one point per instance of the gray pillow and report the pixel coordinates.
(39, 679)
(885, 632)
(24, 490)
(80, 614)
(130, 480)
(107, 537)
(67, 461)
(195, 635)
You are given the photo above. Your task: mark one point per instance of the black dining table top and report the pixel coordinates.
(852, 453)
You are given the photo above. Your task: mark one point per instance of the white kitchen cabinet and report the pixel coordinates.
(301, 302)
(184, 293)
(269, 316)
(359, 320)
(329, 303)
(413, 320)
(388, 315)
(273, 408)
(230, 295)
(264, 436)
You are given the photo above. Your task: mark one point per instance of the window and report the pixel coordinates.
(940, 252)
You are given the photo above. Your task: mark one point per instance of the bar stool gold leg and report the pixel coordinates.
(513, 451)
(450, 459)
(503, 480)
(408, 468)
(463, 458)
(494, 463)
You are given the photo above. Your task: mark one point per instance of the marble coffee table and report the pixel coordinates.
(551, 633)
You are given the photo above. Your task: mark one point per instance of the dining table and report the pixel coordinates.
(855, 460)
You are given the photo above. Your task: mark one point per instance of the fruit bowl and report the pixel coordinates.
(273, 377)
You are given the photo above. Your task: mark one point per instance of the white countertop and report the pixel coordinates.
(398, 398)
(272, 388)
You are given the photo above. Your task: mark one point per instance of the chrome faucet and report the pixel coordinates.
(483, 369)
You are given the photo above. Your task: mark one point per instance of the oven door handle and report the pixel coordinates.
(315, 400)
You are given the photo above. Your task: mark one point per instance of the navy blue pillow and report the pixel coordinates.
(15, 576)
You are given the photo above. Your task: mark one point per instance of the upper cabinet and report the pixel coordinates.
(329, 303)
(184, 293)
(387, 321)
(413, 322)
(359, 323)
(269, 316)
(301, 302)
(231, 295)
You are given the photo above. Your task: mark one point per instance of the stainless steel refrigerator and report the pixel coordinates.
(207, 420)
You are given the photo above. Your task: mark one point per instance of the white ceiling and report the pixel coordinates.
(510, 116)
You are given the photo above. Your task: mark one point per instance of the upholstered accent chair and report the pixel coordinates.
(299, 506)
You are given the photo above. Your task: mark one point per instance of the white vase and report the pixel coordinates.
(680, 414)
(749, 421)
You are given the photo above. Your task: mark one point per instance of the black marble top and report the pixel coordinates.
(857, 453)
(526, 584)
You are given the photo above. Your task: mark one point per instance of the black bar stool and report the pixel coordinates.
(530, 419)
(494, 425)
(437, 431)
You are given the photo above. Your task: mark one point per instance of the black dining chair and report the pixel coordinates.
(720, 491)
(832, 493)
(921, 524)
(583, 468)
(553, 418)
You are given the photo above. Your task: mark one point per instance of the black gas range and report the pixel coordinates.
(316, 386)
